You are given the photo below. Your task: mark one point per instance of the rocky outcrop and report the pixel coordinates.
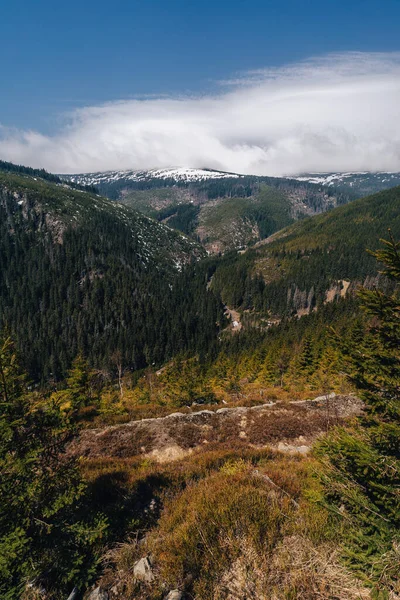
(174, 595)
(290, 427)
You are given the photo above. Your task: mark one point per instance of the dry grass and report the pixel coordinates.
(224, 534)
(119, 443)
(302, 570)
(230, 521)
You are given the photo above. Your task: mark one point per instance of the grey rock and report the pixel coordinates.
(98, 594)
(74, 594)
(142, 570)
(174, 595)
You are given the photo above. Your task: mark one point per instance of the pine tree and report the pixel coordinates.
(306, 362)
(363, 469)
(79, 383)
(45, 535)
(269, 372)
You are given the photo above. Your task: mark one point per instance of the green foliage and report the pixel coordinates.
(79, 383)
(46, 537)
(184, 382)
(182, 217)
(363, 478)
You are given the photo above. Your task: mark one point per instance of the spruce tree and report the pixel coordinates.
(46, 537)
(79, 382)
(363, 468)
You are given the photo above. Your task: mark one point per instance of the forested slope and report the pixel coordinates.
(312, 261)
(81, 273)
(227, 214)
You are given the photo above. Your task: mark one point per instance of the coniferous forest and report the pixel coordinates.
(158, 428)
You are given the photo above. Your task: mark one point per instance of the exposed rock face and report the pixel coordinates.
(290, 427)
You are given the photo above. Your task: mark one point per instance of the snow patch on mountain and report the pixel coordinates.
(178, 174)
(333, 179)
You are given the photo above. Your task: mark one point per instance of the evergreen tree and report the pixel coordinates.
(306, 362)
(363, 478)
(45, 536)
(79, 383)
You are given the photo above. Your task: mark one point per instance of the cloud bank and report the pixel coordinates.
(335, 113)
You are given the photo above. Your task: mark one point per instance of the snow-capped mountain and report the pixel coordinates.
(358, 183)
(186, 185)
(178, 174)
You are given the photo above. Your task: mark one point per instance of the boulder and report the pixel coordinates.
(142, 570)
(174, 595)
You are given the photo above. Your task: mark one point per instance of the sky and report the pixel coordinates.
(261, 87)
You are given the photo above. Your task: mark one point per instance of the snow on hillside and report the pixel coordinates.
(177, 174)
(334, 179)
(360, 183)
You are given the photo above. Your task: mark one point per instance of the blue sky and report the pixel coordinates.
(58, 56)
(93, 85)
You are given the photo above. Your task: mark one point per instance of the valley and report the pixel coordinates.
(200, 300)
(223, 211)
(193, 370)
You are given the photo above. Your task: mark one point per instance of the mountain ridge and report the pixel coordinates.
(363, 182)
(224, 211)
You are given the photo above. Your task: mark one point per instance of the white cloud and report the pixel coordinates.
(339, 112)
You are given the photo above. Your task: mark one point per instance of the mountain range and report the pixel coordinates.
(361, 184)
(230, 211)
(223, 211)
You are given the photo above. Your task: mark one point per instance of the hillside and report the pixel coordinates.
(311, 262)
(83, 274)
(224, 211)
(102, 278)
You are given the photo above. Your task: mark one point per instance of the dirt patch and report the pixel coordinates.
(234, 317)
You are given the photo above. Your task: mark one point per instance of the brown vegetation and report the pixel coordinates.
(295, 423)
(225, 534)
